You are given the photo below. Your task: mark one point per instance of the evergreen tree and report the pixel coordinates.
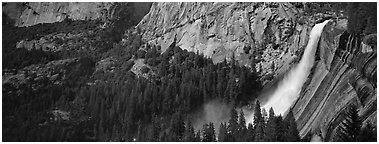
(258, 123)
(209, 134)
(349, 129)
(232, 89)
(189, 134)
(197, 136)
(222, 134)
(292, 134)
(241, 120)
(281, 129)
(242, 131)
(271, 127)
(250, 133)
(177, 126)
(361, 18)
(233, 125)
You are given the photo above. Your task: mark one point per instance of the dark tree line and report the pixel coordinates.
(132, 106)
(274, 129)
(121, 106)
(352, 130)
(362, 18)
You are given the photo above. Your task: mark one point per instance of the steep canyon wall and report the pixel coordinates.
(269, 37)
(272, 36)
(344, 74)
(32, 13)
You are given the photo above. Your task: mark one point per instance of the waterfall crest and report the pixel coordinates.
(290, 86)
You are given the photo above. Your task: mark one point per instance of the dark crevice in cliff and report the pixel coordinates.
(343, 41)
(349, 51)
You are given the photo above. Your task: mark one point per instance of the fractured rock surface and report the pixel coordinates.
(344, 75)
(32, 13)
(265, 33)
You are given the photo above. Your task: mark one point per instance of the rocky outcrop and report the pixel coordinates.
(32, 13)
(344, 74)
(269, 35)
(272, 36)
(58, 42)
(39, 75)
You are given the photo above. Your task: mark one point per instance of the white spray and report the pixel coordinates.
(281, 100)
(289, 88)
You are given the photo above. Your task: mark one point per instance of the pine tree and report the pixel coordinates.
(233, 125)
(222, 134)
(281, 129)
(349, 129)
(189, 134)
(292, 134)
(241, 120)
(250, 133)
(197, 136)
(177, 126)
(258, 123)
(271, 127)
(232, 89)
(241, 137)
(209, 134)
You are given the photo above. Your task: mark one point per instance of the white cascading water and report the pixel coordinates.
(289, 88)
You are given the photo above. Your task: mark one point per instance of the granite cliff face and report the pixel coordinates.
(269, 37)
(269, 34)
(273, 36)
(344, 74)
(32, 13)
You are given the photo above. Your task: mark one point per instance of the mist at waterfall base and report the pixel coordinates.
(280, 99)
(289, 88)
(217, 112)
(214, 111)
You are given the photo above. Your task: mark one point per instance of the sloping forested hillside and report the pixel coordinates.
(100, 80)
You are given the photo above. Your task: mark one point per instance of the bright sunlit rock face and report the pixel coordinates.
(289, 88)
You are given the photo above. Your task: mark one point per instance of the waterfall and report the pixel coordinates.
(290, 86)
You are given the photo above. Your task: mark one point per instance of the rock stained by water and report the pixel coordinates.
(339, 77)
(269, 35)
(342, 76)
(266, 35)
(289, 88)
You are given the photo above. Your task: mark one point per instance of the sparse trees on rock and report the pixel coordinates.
(350, 129)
